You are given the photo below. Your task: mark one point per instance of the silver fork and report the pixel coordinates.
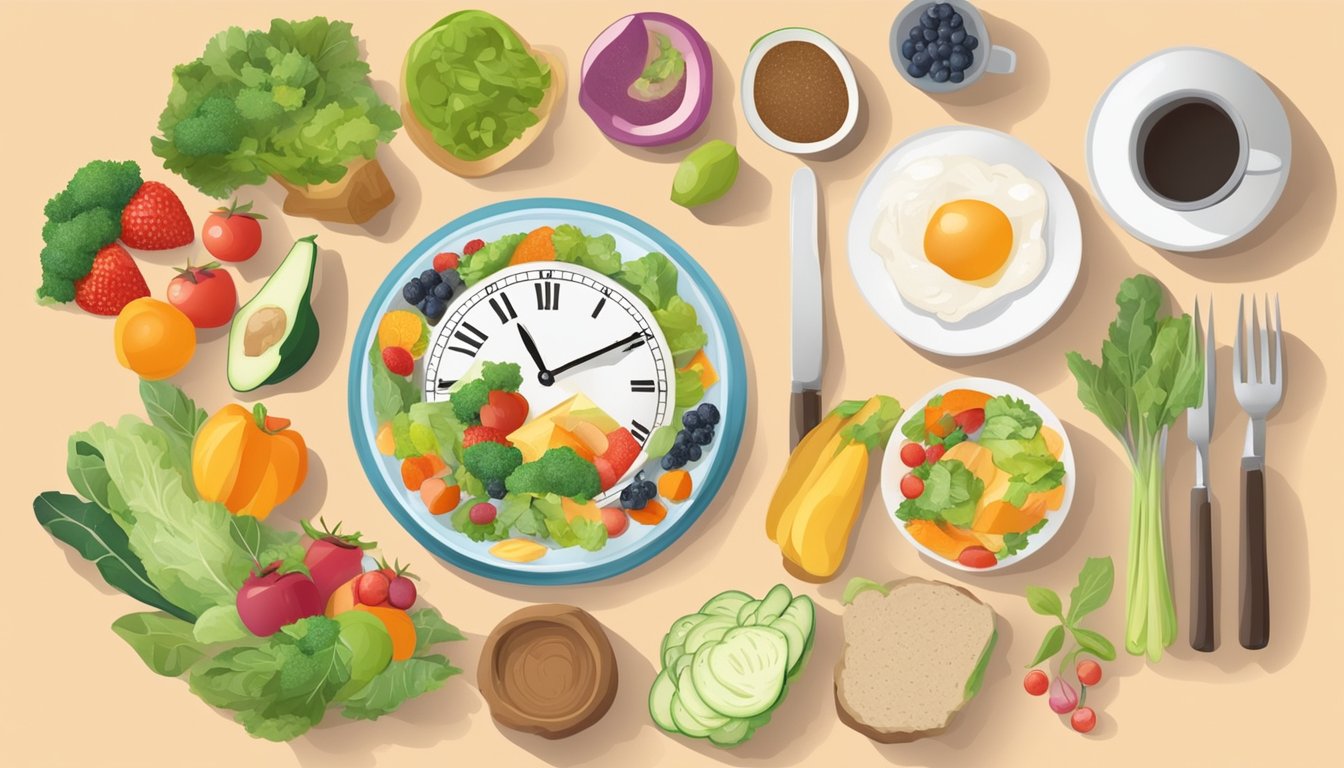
(1199, 428)
(1259, 388)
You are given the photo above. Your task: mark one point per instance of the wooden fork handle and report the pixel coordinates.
(1201, 582)
(1254, 560)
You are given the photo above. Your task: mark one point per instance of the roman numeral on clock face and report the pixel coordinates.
(639, 431)
(642, 385)
(471, 339)
(504, 308)
(548, 295)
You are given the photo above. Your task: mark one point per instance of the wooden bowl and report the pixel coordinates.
(424, 138)
(548, 670)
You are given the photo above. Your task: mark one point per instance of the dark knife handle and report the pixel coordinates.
(806, 414)
(1254, 561)
(1201, 579)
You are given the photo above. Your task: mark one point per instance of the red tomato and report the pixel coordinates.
(934, 453)
(911, 487)
(1083, 719)
(1089, 672)
(1036, 682)
(232, 234)
(206, 295)
(506, 411)
(970, 421)
(977, 557)
(371, 588)
(912, 454)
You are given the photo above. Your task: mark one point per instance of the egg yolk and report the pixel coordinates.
(968, 239)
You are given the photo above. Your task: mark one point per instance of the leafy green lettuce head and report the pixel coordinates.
(294, 101)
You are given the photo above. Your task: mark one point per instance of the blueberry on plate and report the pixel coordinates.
(944, 51)
(944, 10)
(429, 278)
(702, 436)
(433, 309)
(495, 488)
(678, 454)
(442, 292)
(917, 33)
(690, 419)
(930, 34)
(941, 75)
(683, 437)
(636, 502)
(709, 413)
(944, 31)
(957, 76)
(958, 62)
(971, 42)
(413, 292)
(648, 489)
(929, 20)
(916, 71)
(957, 36)
(693, 452)
(451, 277)
(955, 21)
(907, 49)
(920, 59)
(667, 463)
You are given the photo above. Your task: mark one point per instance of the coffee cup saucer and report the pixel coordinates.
(1171, 74)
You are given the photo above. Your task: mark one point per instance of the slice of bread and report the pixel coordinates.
(907, 658)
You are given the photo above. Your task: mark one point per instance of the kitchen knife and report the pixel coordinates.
(807, 326)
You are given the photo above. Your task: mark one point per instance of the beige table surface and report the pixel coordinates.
(87, 80)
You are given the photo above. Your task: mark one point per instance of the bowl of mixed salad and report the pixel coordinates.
(979, 476)
(546, 483)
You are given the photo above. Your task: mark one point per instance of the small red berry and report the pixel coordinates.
(911, 487)
(1089, 672)
(1036, 682)
(912, 454)
(482, 513)
(473, 246)
(934, 453)
(401, 593)
(446, 260)
(1083, 719)
(398, 361)
(371, 588)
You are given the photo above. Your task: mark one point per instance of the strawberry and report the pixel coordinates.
(112, 282)
(155, 219)
(446, 260)
(478, 434)
(622, 450)
(398, 361)
(473, 246)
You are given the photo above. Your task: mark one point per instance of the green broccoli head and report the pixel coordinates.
(99, 184)
(504, 377)
(215, 128)
(314, 634)
(467, 401)
(560, 471)
(491, 461)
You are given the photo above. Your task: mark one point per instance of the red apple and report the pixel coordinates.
(206, 295)
(333, 558)
(270, 599)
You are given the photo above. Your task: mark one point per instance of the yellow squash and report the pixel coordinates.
(248, 461)
(827, 512)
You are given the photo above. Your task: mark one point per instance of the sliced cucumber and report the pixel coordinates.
(711, 630)
(681, 662)
(726, 603)
(677, 634)
(686, 723)
(696, 706)
(797, 623)
(743, 674)
(775, 602)
(660, 701)
(746, 615)
(732, 734)
(671, 654)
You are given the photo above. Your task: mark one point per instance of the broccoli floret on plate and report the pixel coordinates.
(560, 471)
(491, 461)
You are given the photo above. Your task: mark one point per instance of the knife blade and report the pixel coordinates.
(805, 293)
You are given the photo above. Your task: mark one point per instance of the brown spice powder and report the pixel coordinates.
(800, 93)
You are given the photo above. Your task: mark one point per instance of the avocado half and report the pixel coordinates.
(275, 332)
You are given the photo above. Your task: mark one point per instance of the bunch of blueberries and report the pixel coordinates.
(697, 432)
(431, 292)
(638, 493)
(939, 46)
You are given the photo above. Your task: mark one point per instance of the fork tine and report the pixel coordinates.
(1278, 342)
(1199, 331)
(1237, 374)
(1255, 361)
(1266, 374)
(1210, 357)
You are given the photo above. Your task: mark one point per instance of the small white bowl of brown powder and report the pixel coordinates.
(799, 93)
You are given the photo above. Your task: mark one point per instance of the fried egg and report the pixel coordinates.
(957, 234)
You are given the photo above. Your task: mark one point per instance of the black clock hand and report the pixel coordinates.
(544, 374)
(580, 361)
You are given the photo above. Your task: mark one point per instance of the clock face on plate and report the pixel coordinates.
(572, 331)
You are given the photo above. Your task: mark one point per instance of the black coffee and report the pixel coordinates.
(1190, 151)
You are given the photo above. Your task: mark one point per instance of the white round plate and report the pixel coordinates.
(893, 470)
(1013, 317)
(1110, 132)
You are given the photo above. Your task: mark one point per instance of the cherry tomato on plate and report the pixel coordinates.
(912, 454)
(233, 233)
(977, 557)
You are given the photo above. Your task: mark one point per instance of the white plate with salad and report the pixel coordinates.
(547, 391)
(979, 476)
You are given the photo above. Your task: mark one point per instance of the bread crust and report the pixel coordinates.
(852, 720)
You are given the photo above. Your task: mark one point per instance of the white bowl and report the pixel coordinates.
(758, 51)
(893, 469)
